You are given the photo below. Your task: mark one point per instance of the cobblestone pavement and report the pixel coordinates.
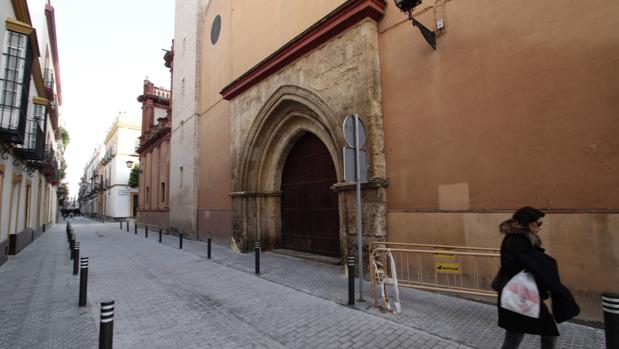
(460, 320)
(168, 298)
(38, 300)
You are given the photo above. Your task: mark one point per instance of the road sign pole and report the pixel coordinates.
(359, 227)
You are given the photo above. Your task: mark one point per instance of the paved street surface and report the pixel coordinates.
(171, 298)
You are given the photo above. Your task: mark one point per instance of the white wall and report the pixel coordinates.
(43, 204)
(184, 138)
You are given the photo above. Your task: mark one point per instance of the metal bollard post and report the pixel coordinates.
(610, 305)
(351, 280)
(44, 228)
(106, 325)
(180, 241)
(135, 228)
(76, 258)
(127, 224)
(208, 245)
(73, 246)
(121, 225)
(257, 250)
(160, 237)
(83, 280)
(146, 231)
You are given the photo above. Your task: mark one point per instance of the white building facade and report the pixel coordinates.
(30, 146)
(184, 138)
(119, 149)
(105, 189)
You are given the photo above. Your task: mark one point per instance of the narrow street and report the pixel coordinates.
(171, 298)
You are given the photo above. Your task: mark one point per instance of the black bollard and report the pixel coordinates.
(257, 250)
(44, 228)
(146, 231)
(127, 224)
(208, 245)
(83, 280)
(73, 246)
(610, 305)
(351, 280)
(180, 241)
(106, 325)
(76, 258)
(160, 237)
(135, 228)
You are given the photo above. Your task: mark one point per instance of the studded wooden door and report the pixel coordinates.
(309, 210)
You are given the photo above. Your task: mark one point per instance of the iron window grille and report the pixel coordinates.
(33, 147)
(15, 86)
(49, 83)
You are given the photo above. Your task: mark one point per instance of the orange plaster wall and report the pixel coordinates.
(518, 105)
(248, 35)
(215, 159)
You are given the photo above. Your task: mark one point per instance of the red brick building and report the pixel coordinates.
(154, 151)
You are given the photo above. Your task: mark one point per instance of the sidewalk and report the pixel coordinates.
(168, 298)
(462, 321)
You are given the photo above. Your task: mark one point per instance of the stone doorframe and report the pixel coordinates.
(258, 162)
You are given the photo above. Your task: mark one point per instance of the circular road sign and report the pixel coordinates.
(349, 130)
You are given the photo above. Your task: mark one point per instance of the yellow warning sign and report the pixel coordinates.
(444, 256)
(447, 268)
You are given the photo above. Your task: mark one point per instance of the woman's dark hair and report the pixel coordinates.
(527, 215)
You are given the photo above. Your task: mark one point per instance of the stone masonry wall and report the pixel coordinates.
(343, 75)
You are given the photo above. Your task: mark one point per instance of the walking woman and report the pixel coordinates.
(522, 250)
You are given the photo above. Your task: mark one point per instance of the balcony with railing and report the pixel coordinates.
(53, 114)
(14, 88)
(50, 167)
(12, 125)
(49, 84)
(33, 147)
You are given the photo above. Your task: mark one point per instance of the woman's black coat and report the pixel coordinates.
(518, 253)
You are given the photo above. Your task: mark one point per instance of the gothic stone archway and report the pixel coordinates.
(261, 143)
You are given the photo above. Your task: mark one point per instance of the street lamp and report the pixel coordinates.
(129, 163)
(408, 6)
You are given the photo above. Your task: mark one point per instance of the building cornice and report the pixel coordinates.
(340, 19)
(115, 128)
(163, 135)
(39, 100)
(51, 30)
(21, 10)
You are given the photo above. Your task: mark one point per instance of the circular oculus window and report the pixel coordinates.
(215, 29)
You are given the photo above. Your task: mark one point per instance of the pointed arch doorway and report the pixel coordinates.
(309, 208)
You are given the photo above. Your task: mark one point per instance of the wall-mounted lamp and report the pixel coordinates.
(408, 6)
(129, 163)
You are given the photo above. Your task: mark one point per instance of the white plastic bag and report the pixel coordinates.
(521, 295)
(384, 280)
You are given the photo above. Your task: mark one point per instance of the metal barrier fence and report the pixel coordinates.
(456, 269)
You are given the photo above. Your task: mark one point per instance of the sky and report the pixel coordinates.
(106, 49)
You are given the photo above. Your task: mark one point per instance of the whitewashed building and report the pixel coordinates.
(105, 189)
(30, 146)
(119, 145)
(184, 140)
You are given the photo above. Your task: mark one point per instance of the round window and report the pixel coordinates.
(215, 29)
